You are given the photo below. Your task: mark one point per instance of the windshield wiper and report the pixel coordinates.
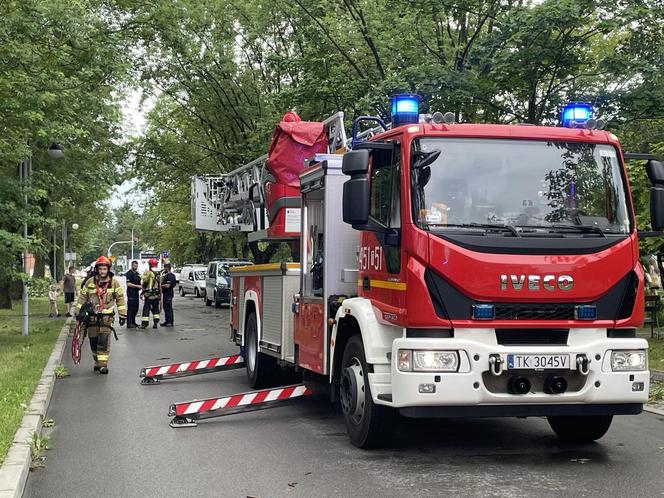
(578, 228)
(486, 226)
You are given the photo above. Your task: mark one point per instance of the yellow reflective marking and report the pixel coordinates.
(385, 284)
(267, 266)
(102, 357)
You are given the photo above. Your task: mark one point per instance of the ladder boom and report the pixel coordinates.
(235, 201)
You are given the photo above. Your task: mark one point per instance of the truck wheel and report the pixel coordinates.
(369, 425)
(196, 294)
(262, 370)
(181, 291)
(580, 429)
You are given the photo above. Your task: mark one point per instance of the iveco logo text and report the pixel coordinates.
(537, 282)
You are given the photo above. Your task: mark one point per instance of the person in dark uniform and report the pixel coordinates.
(167, 286)
(133, 288)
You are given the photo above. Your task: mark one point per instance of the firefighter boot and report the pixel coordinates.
(156, 323)
(93, 348)
(103, 349)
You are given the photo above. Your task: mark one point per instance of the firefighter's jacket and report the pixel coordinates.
(103, 294)
(151, 283)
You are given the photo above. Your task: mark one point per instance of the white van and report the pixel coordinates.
(192, 280)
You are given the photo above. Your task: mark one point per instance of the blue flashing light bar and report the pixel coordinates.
(483, 312)
(405, 109)
(575, 114)
(585, 312)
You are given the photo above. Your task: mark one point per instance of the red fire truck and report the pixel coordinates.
(447, 270)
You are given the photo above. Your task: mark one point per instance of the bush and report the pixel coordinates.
(38, 287)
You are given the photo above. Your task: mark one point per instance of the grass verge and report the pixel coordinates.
(656, 354)
(22, 360)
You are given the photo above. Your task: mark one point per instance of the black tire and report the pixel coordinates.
(580, 429)
(182, 291)
(262, 370)
(196, 294)
(375, 426)
(208, 302)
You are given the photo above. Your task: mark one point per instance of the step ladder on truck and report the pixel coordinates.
(445, 270)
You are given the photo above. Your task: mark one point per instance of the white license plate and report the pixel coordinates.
(538, 361)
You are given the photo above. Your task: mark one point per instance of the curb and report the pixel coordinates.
(652, 409)
(15, 469)
(657, 375)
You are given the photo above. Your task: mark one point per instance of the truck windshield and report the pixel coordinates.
(519, 186)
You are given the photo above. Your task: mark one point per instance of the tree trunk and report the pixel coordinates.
(16, 289)
(5, 298)
(40, 263)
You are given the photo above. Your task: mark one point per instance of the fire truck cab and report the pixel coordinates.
(460, 270)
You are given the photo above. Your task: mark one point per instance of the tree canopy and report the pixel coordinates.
(217, 75)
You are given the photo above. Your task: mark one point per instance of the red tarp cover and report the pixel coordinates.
(293, 142)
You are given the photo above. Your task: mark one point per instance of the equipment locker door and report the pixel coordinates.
(309, 323)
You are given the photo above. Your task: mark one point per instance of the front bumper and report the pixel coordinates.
(475, 386)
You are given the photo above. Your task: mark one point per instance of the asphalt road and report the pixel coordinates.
(111, 438)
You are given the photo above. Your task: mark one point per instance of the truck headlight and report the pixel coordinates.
(623, 361)
(435, 361)
(427, 361)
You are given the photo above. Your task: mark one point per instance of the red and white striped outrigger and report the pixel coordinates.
(152, 375)
(186, 413)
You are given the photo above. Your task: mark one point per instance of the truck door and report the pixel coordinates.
(380, 258)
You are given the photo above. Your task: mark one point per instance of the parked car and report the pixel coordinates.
(218, 281)
(192, 280)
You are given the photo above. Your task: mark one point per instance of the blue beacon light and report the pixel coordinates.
(575, 114)
(405, 109)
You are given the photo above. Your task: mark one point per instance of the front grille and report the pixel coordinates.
(533, 311)
(535, 337)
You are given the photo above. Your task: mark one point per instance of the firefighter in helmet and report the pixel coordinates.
(151, 283)
(102, 291)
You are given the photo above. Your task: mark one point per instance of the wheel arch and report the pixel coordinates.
(356, 316)
(251, 306)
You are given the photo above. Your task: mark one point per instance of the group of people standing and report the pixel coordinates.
(101, 291)
(156, 289)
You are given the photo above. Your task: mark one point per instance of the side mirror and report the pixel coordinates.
(655, 172)
(356, 190)
(657, 208)
(356, 200)
(355, 162)
(424, 159)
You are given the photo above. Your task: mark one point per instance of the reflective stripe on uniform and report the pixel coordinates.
(102, 357)
(107, 311)
(145, 319)
(156, 317)
(122, 308)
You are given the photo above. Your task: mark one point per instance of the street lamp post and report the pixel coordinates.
(54, 275)
(26, 169)
(118, 242)
(65, 234)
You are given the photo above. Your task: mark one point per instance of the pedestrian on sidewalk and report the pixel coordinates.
(167, 286)
(69, 288)
(102, 291)
(53, 301)
(151, 285)
(133, 289)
